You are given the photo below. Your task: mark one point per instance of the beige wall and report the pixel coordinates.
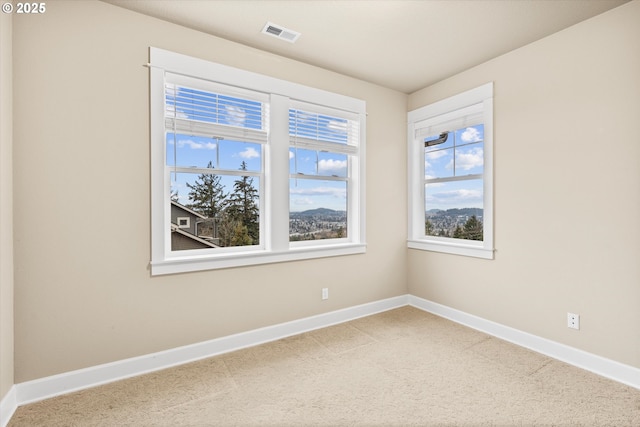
(567, 191)
(82, 161)
(566, 197)
(6, 208)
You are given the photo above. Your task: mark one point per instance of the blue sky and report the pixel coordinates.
(462, 154)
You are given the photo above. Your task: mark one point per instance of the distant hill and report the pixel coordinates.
(455, 212)
(319, 212)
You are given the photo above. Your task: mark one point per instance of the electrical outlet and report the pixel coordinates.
(325, 293)
(573, 320)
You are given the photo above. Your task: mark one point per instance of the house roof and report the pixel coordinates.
(176, 229)
(186, 209)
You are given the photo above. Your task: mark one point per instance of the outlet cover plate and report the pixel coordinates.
(573, 321)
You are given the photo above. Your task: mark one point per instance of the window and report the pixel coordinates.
(451, 175)
(323, 147)
(247, 169)
(214, 143)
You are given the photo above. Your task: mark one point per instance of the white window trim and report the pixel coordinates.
(275, 246)
(416, 235)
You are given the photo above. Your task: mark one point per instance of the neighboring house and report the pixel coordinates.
(191, 230)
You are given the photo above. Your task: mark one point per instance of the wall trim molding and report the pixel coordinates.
(599, 365)
(55, 385)
(8, 406)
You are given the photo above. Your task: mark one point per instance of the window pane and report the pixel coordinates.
(209, 107)
(469, 159)
(447, 144)
(332, 164)
(454, 209)
(318, 127)
(469, 150)
(466, 143)
(439, 163)
(201, 152)
(470, 134)
(319, 163)
(234, 153)
(223, 211)
(317, 209)
(303, 161)
(191, 151)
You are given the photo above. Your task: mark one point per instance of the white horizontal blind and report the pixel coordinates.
(202, 108)
(317, 128)
(469, 116)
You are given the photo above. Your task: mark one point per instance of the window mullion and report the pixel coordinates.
(277, 170)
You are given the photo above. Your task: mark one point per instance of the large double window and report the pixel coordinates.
(248, 169)
(450, 167)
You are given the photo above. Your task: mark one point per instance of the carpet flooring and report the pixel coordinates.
(403, 367)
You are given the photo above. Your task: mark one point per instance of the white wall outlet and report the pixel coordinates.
(573, 320)
(325, 293)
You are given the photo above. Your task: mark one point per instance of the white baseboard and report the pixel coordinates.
(608, 368)
(43, 388)
(8, 406)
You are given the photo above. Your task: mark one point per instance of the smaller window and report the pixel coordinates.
(184, 222)
(451, 175)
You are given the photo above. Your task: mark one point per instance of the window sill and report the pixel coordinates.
(463, 249)
(189, 264)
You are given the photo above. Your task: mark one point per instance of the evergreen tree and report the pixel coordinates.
(428, 228)
(242, 206)
(207, 195)
(240, 236)
(473, 229)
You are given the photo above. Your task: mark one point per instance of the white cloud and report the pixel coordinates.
(453, 197)
(171, 112)
(291, 155)
(319, 191)
(337, 126)
(302, 201)
(236, 116)
(336, 167)
(467, 160)
(435, 155)
(195, 145)
(249, 153)
(471, 135)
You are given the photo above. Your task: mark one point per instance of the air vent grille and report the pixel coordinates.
(280, 32)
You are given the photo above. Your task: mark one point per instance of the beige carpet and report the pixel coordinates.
(402, 367)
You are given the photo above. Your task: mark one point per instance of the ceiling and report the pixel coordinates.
(405, 45)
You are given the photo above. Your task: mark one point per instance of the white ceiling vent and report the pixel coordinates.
(280, 32)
